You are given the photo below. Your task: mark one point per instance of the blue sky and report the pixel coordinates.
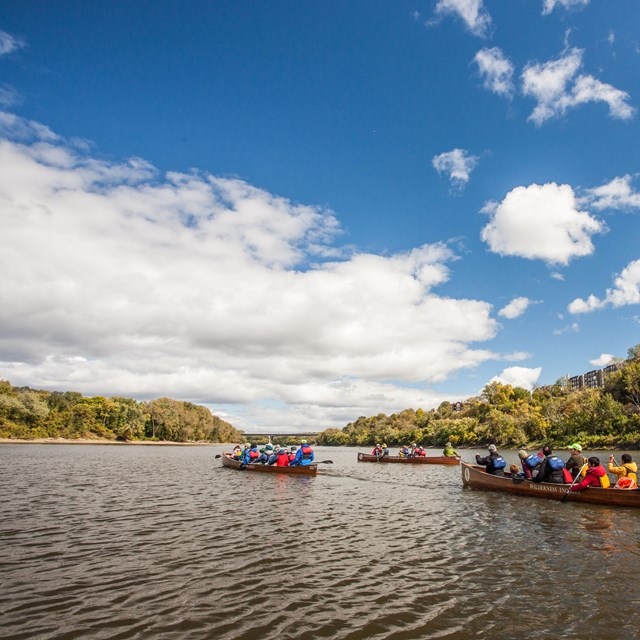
(298, 213)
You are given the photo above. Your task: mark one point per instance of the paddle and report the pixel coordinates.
(218, 456)
(566, 493)
(324, 462)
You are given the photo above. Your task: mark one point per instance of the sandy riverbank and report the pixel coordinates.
(162, 443)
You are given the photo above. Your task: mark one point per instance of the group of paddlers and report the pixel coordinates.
(577, 471)
(413, 451)
(274, 455)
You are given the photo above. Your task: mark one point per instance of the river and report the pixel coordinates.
(162, 542)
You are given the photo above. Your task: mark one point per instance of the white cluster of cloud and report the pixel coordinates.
(472, 13)
(515, 308)
(540, 222)
(206, 288)
(626, 291)
(496, 71)
(617, 194)
(522, 377)
(458, 164)
(555, 85)
(9, 43)
(549, 5)
(602, 360)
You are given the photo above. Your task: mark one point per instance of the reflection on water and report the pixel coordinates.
(162, 542)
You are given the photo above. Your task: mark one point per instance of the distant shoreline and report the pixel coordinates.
(152, 443)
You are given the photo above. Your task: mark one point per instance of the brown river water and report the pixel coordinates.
(162, 542)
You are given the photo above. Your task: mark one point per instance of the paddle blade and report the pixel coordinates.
(325, 462)
(218, 456)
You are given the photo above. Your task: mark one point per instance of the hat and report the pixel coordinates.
(262, 450)
(303, 441)
(577, 447)
(269, 447)
(492, 448)
(448, 444)
(384, 445)
(522, 454)
(293, 448)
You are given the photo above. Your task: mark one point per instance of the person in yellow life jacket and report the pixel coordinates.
(596, 476)
(449, 450)
(628, 469)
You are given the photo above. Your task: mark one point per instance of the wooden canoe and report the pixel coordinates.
(298, 470)
(475, 477)
(368, 457)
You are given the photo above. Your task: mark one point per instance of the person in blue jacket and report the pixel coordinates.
(304, 455)
(263, 458)
(250, 454)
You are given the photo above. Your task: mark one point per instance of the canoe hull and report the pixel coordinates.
(475, 477)
(367, 457)
(309, 470)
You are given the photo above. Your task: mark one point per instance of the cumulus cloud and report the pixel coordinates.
(557, 88)
(121, 280)
(519, 377)
(9, 43)
(472, 13)
(626, 291)
(549, 5)
(458, 164)
(515, 308)
(540, 222)
(617, 194)
(496, 71)
(602, 361)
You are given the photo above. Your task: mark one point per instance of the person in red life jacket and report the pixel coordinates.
(282, 459)
(596, 476)
(530, 462)
(251, 454)
(494, 462)
(304, 455)
(550, 469)
(292, 454)
(420, 452)
(377, 451)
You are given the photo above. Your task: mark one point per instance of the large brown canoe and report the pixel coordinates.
(368, 457)
(476, 477)
(298, 470)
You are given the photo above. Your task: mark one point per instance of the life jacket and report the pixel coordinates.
(422, 453)
(626, 482)
(605, 483)
(555, 463)
(292, 457)
(533, 461)
(306, 452)
(497, 463)
(253, 454)
(283, 460)
(566, 474)
(631, 473)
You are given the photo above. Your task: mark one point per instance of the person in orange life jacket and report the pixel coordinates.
(377, 450)
(596, 476)
(250, 454)
(420, 452)
(292, 454)
(550, 469)
(282, 459)
(576, 460)
(304, 456)
(628, 469)
(494, 462)
(529, 462)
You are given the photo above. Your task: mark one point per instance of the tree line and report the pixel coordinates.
(514, 417)
(30, 413)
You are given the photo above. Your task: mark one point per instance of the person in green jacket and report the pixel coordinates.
(449, 450)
